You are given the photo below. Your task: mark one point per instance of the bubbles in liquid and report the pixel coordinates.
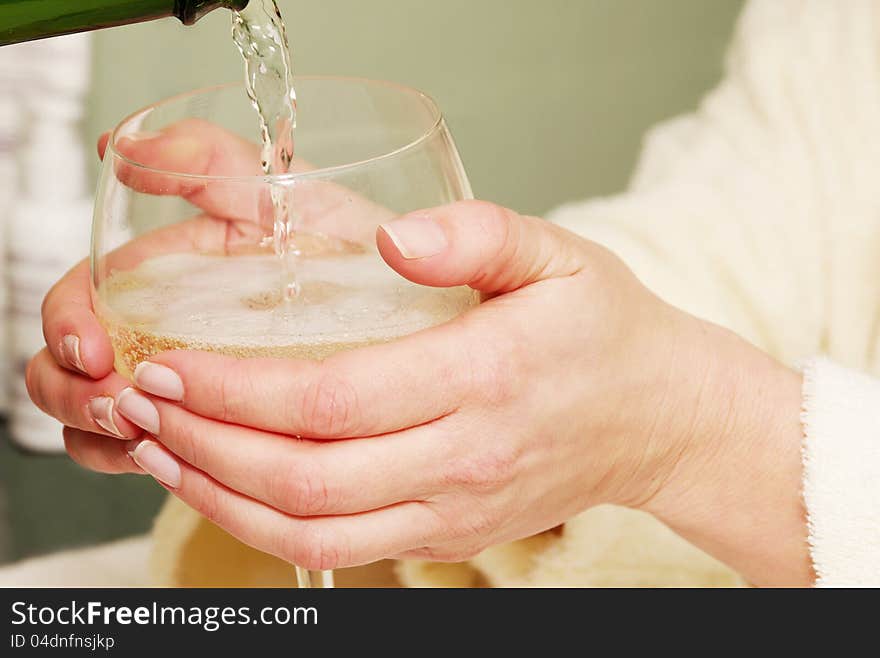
(232, 304)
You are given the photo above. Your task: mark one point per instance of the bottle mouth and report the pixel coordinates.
(431, 124)
(190, 11)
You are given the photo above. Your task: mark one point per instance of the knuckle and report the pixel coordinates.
(476, 526)
(315, 550)
(428, 553)
(234, 384)
(299, 490)
(494, 372)
(493, 220)
(207, 502)
(228, 394)
(486, 473)
(499, 235)
(491, 375)
(183, 434)
(329, 406)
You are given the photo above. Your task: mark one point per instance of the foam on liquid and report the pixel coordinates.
(232, 304)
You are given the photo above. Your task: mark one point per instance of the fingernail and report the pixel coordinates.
(101, 409)
(156, 461)
(70, 352)
(138, 409)
(142, 135)
(416, 236)
(159, 380)
(130, 446)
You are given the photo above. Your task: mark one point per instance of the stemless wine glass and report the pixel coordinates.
(182, 243)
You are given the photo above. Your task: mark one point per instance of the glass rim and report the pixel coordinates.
(323, 172)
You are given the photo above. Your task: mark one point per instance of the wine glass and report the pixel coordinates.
(185, 235)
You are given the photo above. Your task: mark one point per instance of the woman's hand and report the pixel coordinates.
(572, 386)
(72, 379)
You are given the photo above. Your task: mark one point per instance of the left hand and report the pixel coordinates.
(573, 386)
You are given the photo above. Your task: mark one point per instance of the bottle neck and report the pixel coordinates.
(25, 20)
(189, 11)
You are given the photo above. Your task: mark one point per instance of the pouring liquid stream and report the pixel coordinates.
(259, 33)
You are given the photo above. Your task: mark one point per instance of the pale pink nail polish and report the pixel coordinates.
(130, 447)
(159, 380)
(158, 462)
(416, 236)
(101, 409)
(138, 409)
(70, 352)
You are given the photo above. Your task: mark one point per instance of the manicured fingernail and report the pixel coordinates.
(138, 409)
(159, 380)
(158, 462)
(70, 352)
(416, 236)
(142, 135)
(101, 409)
(130, 446)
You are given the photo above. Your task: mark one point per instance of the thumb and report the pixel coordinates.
(487, 247)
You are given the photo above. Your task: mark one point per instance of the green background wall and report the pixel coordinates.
(548, 102)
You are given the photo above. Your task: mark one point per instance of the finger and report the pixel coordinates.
(315, 543)
(325, 207)
(491, 249)
(195, 149)
(77, 401)
(297, 476)
(75, 337)
(200, 234)
(352, 394)
(73, 334)
(191, 146)
(98, 453)
(102, 144)
(200, 149)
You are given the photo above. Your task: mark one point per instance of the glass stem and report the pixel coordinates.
(306, 579)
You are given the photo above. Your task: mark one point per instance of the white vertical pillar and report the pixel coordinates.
(48, 228)
(11, 111)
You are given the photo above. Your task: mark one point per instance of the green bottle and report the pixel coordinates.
(24, 20)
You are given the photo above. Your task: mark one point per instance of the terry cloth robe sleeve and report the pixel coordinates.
(761, 212)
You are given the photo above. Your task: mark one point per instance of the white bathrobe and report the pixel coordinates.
(760, 212)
